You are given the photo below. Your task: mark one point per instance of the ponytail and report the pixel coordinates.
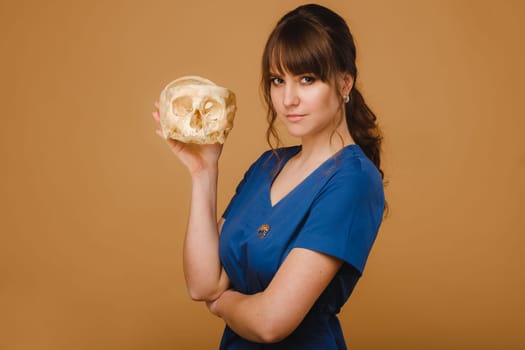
(363, 128)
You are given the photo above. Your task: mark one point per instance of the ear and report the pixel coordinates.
(348, 82)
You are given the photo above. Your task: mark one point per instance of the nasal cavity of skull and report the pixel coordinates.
(196, 120)
(182, 106)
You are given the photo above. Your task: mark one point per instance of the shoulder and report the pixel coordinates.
(272, 157)
(354, 174)
(353, 162)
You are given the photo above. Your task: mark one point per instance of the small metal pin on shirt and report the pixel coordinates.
(263, 231)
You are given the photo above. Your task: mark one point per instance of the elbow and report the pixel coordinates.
(273, 335)
(197, 294)
(273, 332)
(269, 338)
(274, 324)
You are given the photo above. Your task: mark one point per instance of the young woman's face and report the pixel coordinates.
(306, 105)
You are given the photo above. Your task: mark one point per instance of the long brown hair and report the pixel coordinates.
(314, 39)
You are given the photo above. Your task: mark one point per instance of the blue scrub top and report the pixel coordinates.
(336, 210)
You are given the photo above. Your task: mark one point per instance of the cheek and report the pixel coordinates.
(274, 97)
(332, 101)
(321, 100)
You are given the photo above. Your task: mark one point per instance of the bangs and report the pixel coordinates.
(298, 47)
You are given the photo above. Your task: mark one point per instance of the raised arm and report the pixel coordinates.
(205, 278)
(273, 314)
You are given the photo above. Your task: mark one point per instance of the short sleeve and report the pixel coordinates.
(345, 217)
(247, 177)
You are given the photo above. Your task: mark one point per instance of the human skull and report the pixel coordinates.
(196, 110)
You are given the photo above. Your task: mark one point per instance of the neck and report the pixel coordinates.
(321, 147)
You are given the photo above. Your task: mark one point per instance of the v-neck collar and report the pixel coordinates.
(293, 151)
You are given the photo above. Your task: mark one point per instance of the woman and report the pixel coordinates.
(295, 237)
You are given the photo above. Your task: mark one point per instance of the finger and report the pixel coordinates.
(156, 116)
(156, 104)
(174, 143)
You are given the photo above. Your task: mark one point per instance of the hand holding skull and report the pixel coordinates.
(196, 110)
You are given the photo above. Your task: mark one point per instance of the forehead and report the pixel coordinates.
(284, 61)
(287, 61)
(276, 71)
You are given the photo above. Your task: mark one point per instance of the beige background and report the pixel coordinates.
(93, 205)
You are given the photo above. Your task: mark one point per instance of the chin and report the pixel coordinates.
(296, 131)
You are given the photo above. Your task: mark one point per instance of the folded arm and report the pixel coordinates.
(273, 314)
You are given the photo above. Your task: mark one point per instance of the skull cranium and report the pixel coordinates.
(196, 110)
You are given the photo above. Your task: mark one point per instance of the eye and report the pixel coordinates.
(211, 108)
(182, 106)
(276, 81)
(307, 79)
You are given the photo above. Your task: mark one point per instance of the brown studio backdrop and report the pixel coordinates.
(94, 206)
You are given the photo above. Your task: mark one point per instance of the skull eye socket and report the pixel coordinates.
(182, 105)
(211, 108)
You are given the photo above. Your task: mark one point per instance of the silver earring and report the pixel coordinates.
(346, 98)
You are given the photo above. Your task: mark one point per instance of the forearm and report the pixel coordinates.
(251, 316)
(273, 314)
(202, 267)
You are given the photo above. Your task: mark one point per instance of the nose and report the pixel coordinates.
(291, 97)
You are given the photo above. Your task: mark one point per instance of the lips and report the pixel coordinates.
(295, 117)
